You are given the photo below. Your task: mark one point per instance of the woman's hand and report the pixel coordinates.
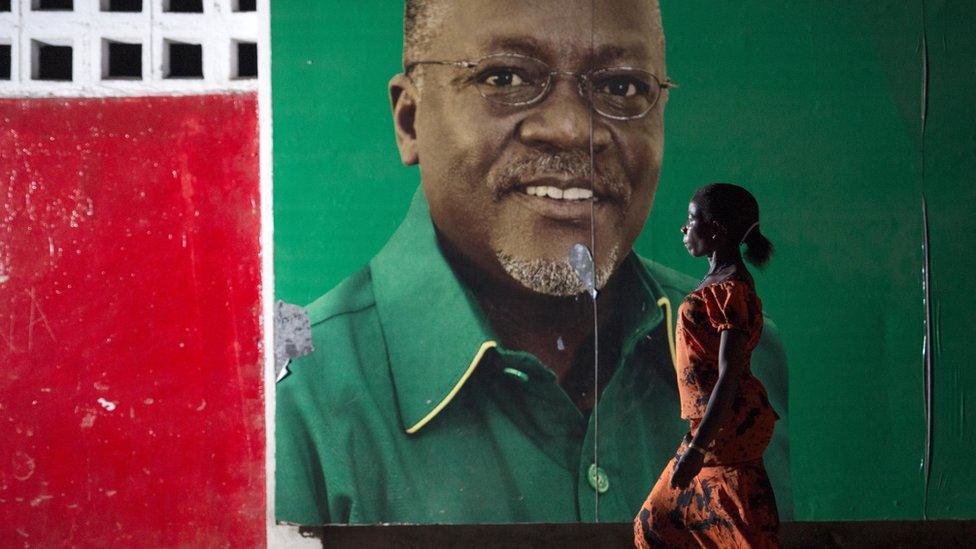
(687, 467)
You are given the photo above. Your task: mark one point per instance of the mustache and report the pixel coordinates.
(609, 181)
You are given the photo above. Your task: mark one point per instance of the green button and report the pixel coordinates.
(519, 374)
(598, 478)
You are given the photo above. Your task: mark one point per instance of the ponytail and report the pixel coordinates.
(758, 248)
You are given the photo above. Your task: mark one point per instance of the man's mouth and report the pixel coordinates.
(559, 199)
(569, 189)
(548, 191)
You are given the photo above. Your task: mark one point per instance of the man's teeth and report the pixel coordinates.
(572, 193)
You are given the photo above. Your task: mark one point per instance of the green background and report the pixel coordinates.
(841, 117)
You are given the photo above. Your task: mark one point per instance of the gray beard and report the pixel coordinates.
(554, 277)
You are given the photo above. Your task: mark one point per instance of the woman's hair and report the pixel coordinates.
(737, 210)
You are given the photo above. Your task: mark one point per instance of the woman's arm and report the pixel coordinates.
(731, 363)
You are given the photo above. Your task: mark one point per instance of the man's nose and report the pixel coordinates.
(561, 121)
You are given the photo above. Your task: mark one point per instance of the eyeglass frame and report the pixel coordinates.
(581, 78)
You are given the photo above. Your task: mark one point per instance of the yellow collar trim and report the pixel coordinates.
(457, 387)
(662, 302)
(666, 303)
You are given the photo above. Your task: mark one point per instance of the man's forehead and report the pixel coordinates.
(593, 30)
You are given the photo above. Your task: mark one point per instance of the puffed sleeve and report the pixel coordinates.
(727, 306)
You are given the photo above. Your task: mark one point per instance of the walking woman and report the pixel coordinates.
(715, 491)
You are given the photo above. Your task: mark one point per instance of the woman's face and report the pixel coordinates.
(699, 234)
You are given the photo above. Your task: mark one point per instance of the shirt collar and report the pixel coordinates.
(435, 332)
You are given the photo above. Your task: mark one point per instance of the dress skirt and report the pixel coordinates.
(729, 504)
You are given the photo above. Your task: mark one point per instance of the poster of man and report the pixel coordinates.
(465, 375)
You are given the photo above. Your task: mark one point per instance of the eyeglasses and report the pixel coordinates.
(619, 93)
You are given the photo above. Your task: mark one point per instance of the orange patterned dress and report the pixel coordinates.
(730, 503)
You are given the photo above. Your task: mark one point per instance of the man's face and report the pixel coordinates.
(484, 165)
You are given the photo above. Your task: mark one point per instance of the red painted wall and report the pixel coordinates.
(131, 399)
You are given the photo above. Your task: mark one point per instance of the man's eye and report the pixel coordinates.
(623, 86)
(502, 78)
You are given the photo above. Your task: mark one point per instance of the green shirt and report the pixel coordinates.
(409, 411)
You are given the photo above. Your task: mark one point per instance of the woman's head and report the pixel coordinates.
(722, 214)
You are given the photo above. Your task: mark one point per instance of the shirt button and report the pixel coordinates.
(598, 478)
(517, 374)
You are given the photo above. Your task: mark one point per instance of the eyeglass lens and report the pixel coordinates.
(518, 80)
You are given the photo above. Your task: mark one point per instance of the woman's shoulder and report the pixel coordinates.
(731, 303)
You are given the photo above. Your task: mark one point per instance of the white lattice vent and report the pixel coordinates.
(127, 47)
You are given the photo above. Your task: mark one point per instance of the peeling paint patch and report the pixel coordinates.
(293, 335)
(88, 421)
(36, 502)
(23, 466)
(107, 404)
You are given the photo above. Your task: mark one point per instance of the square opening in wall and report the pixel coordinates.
(245, 5)
(134, 6)
(52, 5)
(183, 6)
(121, 60)
(50, 61)
(4, 5)
(4, 61)
(247, 60)
(182, 60)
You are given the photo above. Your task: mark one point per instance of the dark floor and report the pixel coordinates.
(889, 534)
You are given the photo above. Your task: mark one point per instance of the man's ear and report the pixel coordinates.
(403, 99)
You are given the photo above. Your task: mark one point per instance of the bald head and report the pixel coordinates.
(423, 19)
